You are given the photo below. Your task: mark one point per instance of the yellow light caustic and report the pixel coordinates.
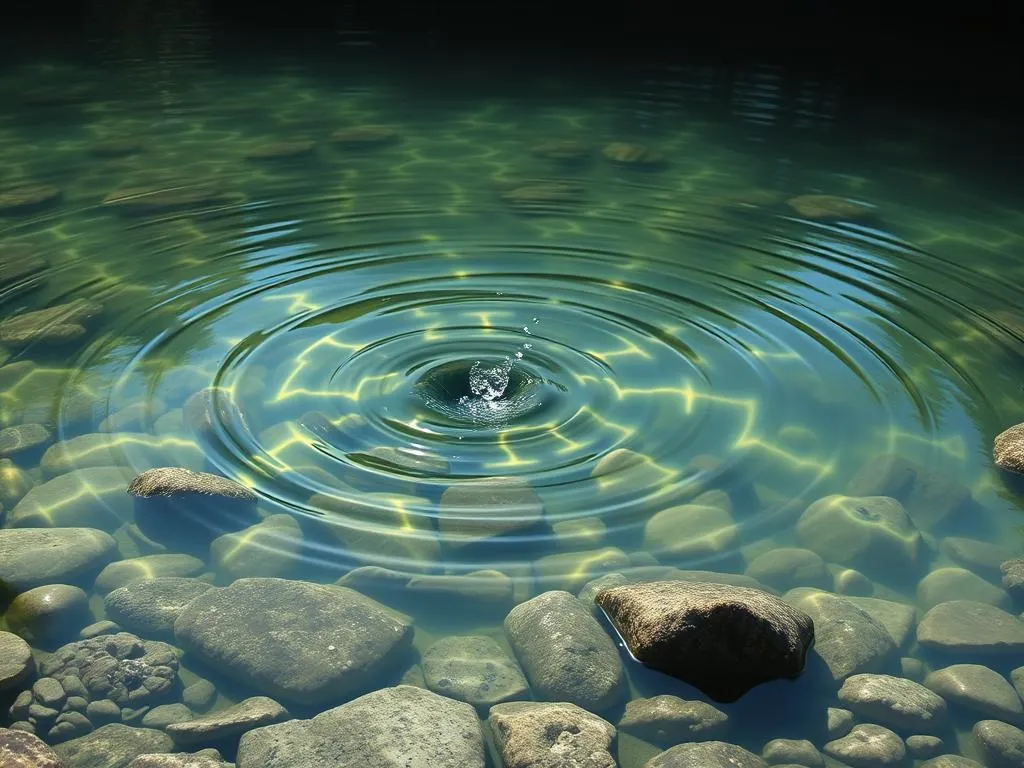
(299, 302)
(288, 391)
(953, 445)
(629, 348)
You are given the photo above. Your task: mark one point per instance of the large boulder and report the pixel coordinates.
(566, 654)
(554, 735)
(19, 749)
(402, 726)
(721, 639)
(304, 642)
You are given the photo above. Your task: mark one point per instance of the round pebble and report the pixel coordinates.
(47, 613)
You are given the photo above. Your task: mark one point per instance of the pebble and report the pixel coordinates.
(791, 751)
(839, 722)
(868, 746)
(199, 696)
(922, 747)
(894, 701)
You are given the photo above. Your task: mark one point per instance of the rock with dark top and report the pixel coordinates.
(1008, 449)
(16, 661)
(1001, 744)
(318, 643)
(706, 754)
(666, 720)
(721, 639)
(474, 669)
(229, 723)
(23, 750)
(967, 627)
(150, 606)
(566, 654)
(400, 726)
(868, 746)
(31, 557)
(23, 438)
(895, 702)
(51, 325)
(477, 511)
(112, 746)
(185, 510)
(553, 735)
(26, 198)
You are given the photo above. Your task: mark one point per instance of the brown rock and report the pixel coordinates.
(1008, 449)
(23, 750)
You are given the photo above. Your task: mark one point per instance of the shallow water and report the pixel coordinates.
(459, 287)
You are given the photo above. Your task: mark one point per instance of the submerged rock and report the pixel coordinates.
(474, 669)
(945, 584)
(791, 752)
(207, 758)
(314, 643)
(120, 573)
(1008, 449)
(23, 438)
(27, 197)
(868, 746)
(981, 557)
(979, 689)
(51, 325)
(31, 557)
(162, 198)
(723, 640)
(635, 155)
(564, 651)
(229, 723)
(788, 567)
(559, 735)
(897, 618)
(46, 613)
(366, 137)
(269, 548)
(1012, 572)
(706, 754)
(894, 701)
(1002, 744)
(16, 662)
(570, 571)
(92, 497)
(150, 606)
(542, 194)
(665, 720)
(112, 746)
(23, 750)
(404, 726)
(477, 511)
(826, 207)
(281, 150)
(700, 530)
(931, 497)
(563, 151)
(964, 626)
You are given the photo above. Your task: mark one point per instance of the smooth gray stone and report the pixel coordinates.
(979, 689)
(228, 723)
(49, 692)
(475, 669)
(922, 747)
(982, 557)
(790, 567)
(32, 557)
(897, 618)
(69, 725)
(706, 754)
(165, 715)
(895, 702)
(16, 661)
(1002, 744)
(120, 573)
(791, 752)
(963, 626)
(199, 696)
(945, 584)
(566, 654)
(401, 726)
(112, 746)
(665, 720)
(840, 722)
(554, 735)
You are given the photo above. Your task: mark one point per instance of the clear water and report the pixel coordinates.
(475, 286)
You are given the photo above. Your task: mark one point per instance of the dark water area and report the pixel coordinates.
(352, 347)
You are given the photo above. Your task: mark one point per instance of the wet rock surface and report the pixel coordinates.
(964, 626)
(707, 754)
(16, 662)
(23, 750)
(1002, 744)
(895, 702)
(32, 557)
(664, 720)
(475, 669)
(112, 746)
(978, 689)
(731, 638)
(555, 735)
(868, 746)
(150, 606)
(228, 723)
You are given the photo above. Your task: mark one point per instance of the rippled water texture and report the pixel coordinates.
(519, 334)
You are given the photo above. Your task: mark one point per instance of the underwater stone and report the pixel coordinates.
(230, 723)
(930, 497)
(1013, 577)
(186, 509)
(700, 530)
(19, 261)
(791, 751)
(566, 654)
(723, 640)
(839, 722)
(19, 749)
(489, 587)
(897, 618)
(304, 642)
(979, 556)
(665, 720)
(175, 195)
(868, 746)
(706, 754)
(269, 548)
(150, 606)
(93, 497)
(850, 582)
(570, 571)
(945, 584)
(22, 438)
(112, 746)
(17, 664)
(51, 325)
(479, 510)
(281, 150)
(894, 701)
(31, 557)
(585, 533)
(846, 637)
(870, 533)
(922, 747)
(15, 483)
(635, 155)
(205, 409)
(46, 613)
(979, 689)
(788, 567)
(950, 761)
(475, 669)
(559, 735)
(137, 417)
(912, 669)
(1001, 744)
(424, 729)
(164, 715)
(829, 207)
(207, 758)
(69, 725)
(1008, 449)
(120, 573)
(199, 696)
(964, 626)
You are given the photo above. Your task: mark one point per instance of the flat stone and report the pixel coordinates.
(16, 662)
(52, 325)
(480, 588)
(566, 654)
(897, 618)
(90, 497)
(706, 754)
(530, 734)
(963, 626)
(921, 747)
(982, 557)
(32, 557)
(22, 438)
(1008, 449)
(316, 642)
(1012, 576)
(477, 511)
(894, 701)
(665, 720)
(119, 573)
(1001, 744)
(693, 532)
(165, 715)
(950, 761)
(474, 669)
(979, 689)
(404, 725)
(112, 746)
(150, 606)
(570, 571)
(839, 722)
(722, 639)
(228, 723)
(945, 584)
(791, 751)
(868, 746)
(45, 613)
(97, 628)
(270, 548)
(846, 637)
(788, 567)
(19, 749)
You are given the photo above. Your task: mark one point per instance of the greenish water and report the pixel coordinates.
(611, 302)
